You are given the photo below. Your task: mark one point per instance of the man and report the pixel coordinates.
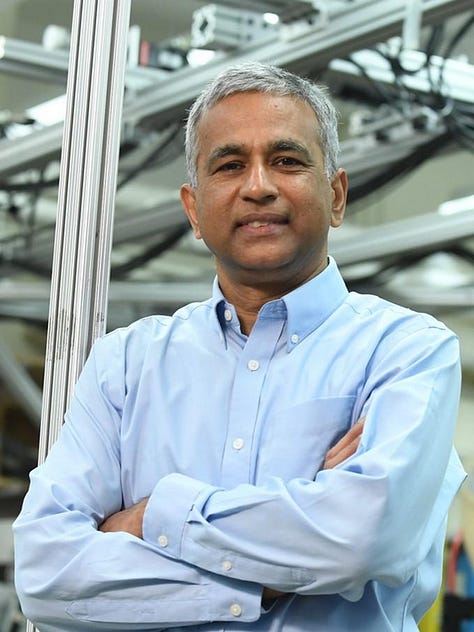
(194, 486)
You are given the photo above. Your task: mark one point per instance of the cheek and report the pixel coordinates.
(213, 202)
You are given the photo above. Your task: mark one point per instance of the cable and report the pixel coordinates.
(399, 168)
(28, 187)
(152, 252)
(150, 159)
(457, 37)
(380, 90)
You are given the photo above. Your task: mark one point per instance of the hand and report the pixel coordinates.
(128, 520)
(345, 447)
(269, 596)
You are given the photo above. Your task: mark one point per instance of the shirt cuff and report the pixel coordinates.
(164, 521)
(215, 600)
(168, 510)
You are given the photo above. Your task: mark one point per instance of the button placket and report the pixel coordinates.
(252, 365)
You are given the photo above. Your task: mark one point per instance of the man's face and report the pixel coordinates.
(263, 204)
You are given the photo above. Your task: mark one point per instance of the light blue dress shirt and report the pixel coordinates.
(227, 435)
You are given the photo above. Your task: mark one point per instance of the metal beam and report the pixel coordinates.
(34, 61)
(135, 225)
(133, 292)
(30, 301)
(423, 233)
(431, 298)
(300, 47)
(86, 201)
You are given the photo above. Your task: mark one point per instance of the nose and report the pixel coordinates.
(258, 184)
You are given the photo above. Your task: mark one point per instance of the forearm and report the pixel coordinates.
(69, 575)
(296, 538)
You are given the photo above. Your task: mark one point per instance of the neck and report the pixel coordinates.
(249, 297)
(248, 302)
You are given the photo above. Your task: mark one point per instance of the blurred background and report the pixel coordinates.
(402, 76)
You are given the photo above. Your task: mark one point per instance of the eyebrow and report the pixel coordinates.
(234, 149)
(291, 145)
(224, 151)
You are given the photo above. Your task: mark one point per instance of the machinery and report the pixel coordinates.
(406, 96)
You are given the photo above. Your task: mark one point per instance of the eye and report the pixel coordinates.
(232, 165)
(288, 161)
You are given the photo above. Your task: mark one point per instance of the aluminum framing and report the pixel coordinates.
(359, 156)
(83, 239)
(425, 233)
(306, 48)
(86, 201)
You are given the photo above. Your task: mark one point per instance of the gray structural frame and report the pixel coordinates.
(302, 48)
(422, 234)
(83, 239)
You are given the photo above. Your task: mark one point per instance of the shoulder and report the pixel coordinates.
(390, 316)
(384, 328)
(154, 329)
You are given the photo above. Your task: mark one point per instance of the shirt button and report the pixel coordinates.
(235, 610)
(238, 444)
(163, 541)
(228, 315)
(294, 338)
(253, 365)
(227, 565)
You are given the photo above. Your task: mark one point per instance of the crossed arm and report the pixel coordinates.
(404, 413)
(131, 520)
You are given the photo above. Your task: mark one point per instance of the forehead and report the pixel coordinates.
(247, 116)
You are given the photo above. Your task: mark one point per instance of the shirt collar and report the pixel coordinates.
(309, 305)
(306, 307)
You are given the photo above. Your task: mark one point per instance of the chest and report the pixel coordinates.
(233, 415)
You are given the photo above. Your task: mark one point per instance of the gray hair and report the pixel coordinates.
(257, 77)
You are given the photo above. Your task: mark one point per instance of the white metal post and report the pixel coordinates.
(81, 259)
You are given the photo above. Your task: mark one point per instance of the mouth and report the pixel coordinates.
(262, 221)
(257, 224)
(262, 228)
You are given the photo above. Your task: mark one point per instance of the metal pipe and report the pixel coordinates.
(86, 201)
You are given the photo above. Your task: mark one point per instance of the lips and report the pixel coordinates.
(261, 220)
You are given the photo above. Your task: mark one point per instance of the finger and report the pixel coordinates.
(345, 447)
(352, 434)
(338, 456)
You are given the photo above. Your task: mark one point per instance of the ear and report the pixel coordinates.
(339, 185)
(188, 200)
